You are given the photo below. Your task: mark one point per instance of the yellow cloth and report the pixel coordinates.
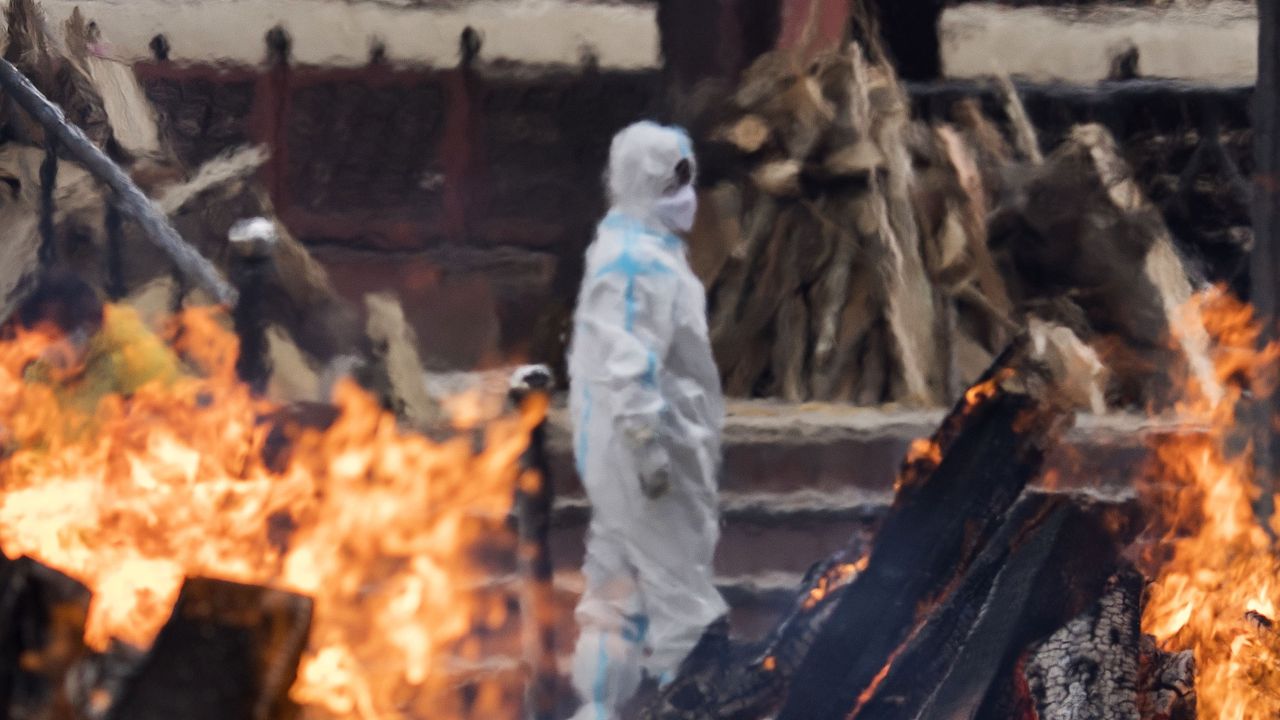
(123, 356)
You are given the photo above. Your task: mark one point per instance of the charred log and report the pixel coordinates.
(944, 515)
(852, 614)
(1166, 687)
(1046, 563)
(43, 614)
(228, 650)
(1089, 667)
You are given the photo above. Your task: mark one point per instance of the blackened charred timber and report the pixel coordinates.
(746, 683)
(228, 651)
(1089, 667)
(131, 200)
(1047, 562)
(42, 613)
(853, 611)
(944, 515)
(533, 505)
(1166, 686)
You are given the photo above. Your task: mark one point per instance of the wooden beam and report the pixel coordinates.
(1264, 273)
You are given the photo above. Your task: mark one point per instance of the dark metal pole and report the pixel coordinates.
(48, 184)
(131, 200)
(533, 515)
(253, 243)
(1264, 277)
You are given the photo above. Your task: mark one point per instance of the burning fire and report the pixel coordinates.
(1217, 589)
(377, 525)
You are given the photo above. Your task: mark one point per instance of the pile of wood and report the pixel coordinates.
(57, 215)
(854, 254)
(979, 599)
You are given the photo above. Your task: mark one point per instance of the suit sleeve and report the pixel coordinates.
(626, 321)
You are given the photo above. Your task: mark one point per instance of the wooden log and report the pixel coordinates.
(396, 371)
(790, 349)
(228, 651)
(42, 613)
(751, 682)
(535, 497)
(1089, 667)
(909, 300)
(1047, 562)
(951, 495)
(835, 374)
(1166, 687)
(1024, 133)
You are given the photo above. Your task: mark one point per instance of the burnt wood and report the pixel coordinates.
(1048, 562)
(42, 613)
(1089, 667)
(228, 651)
(942, 518)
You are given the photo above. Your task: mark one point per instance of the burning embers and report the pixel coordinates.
(183, 479)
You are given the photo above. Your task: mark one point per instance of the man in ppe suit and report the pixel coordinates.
(648, 413)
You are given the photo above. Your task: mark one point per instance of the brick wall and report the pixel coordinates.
(392, 174)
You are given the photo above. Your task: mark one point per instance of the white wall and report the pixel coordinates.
(1214, 43)
(338, 33)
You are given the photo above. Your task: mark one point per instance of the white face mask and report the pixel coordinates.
(676, 212)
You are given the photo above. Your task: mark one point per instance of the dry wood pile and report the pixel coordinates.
(854, 254)
(310, 332)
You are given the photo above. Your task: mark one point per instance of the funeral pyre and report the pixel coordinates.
(176, 545)
(189, 477)
(856, 253)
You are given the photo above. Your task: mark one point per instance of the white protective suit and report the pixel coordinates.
(647, 412)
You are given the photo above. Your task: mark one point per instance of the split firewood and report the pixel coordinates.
(396, 371)
(219, 174)
(32, 49)
(1163, 267)
(1092, 253)
(134, 126)
(838, 131)
(961, 242)
(1024, 132)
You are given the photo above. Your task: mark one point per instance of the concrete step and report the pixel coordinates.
(801, 480)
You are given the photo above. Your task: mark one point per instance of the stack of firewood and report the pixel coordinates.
(310, 333)
(854, 254)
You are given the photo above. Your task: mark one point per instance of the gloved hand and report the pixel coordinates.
(651, 461)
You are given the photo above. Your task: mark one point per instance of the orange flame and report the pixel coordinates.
(1222, 569)
(375, 523)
